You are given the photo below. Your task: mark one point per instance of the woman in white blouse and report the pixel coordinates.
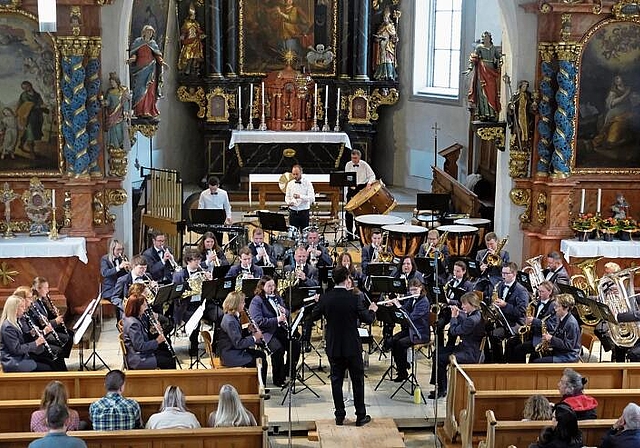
(173, 412)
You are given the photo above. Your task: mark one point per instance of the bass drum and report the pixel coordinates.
(374, 200)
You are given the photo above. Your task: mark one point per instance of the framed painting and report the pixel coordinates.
(150, 12)
(30, 138)
(274, 31)
(608, 106)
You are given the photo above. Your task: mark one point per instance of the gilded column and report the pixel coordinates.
(361, 39)
(545, 109)
(214, 39)
(231, 47)
(74, 112)
(566, 110)
(92, 84)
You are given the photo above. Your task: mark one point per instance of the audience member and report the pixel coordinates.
(564, 433)
(173, 412)
(114, 412)
(57, 436)
(54, 393)
(537, 407)
(626, 430)
(230, 410)
(571, 386)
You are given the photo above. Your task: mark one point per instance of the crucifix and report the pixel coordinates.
(6, 196)
(435, 143)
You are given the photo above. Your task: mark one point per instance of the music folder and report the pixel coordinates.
(380, 268)
(209, 216)
(598, 309)
(426, 265)
(164, 294)
(269, 270)
(523, 278)
(473, 269)
(220, 271)
(299, 297)
(249, 287)
(272, 221)
(380, 284)
(342, 179)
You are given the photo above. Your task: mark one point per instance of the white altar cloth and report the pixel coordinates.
(596, 248)
(238, 137)
(41, 246)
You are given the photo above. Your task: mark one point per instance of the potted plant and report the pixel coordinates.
(608, 227)
(628, 227)
(584, 224)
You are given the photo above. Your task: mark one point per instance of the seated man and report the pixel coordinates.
(247, 268)
(160, 259)
(113, 412)
(427, 250)
(556, 272)
(137, 274)
(317, 253)
(626, 430)
(457, 282)
(563, 344)
(490, 264)
(371, 252)
(262, 252)
(57, 416)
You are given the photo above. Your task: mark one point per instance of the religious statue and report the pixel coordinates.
(191, 37)
(484, 90)
(117, 102)
(620, 208)
(384, 52)
(520, 117)
(146, 74)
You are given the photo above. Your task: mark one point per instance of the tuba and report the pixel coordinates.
(588, 282)
(384, 254)
(495, 259)
(534, 270)
(616, 291)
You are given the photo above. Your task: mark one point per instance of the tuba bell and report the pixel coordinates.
(616, 291)
(534, 270)
(588, 282)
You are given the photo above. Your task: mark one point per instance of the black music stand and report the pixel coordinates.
(524, 279)
(380, 269)
(436, 202)
(81, 327)
(386, 284)
(220, 271)
(270, 221)
(339, 180)
(208, 216)
(389, 315)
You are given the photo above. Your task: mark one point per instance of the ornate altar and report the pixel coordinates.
(290, 97)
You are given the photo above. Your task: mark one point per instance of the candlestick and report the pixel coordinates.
(336, 128)
(53, 232)
(250, 125)
(315, 127)
(263, 120)
(240, 126)
(262, 93)
(599, 200)
(582, 203)
(326, 97)
(53, 198)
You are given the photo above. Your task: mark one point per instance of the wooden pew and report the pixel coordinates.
(237, 437)
(463, 199)
(15, 415)
(504, 433)
(141, 383)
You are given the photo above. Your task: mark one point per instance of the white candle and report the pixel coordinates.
(326, 98)
(582, 203)
(240, 99)
(262, 93)
(315, 97)
(338, 101)
(53, 198)
(250, 99)
(599, 199)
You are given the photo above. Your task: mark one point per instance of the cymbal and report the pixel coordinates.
(284, 180)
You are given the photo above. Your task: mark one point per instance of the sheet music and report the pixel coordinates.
(297, 321)
(83, 323)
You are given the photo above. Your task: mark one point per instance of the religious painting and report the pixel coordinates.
(150, 12)
(30, 139)
(608, 106)
(274, 33)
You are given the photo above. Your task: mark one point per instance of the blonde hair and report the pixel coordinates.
(10, 310)
(174, 398)
(231, 411)
(233, 302)
(112, 246)
(23, 291)
(537, 407)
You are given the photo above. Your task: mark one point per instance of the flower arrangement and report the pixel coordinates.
(585, 222)
(609, 225)
(628, 225)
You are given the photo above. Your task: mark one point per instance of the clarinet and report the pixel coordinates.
(263, 345)
(48, 303)
(155, 324)
(37, 332)
(44, 322)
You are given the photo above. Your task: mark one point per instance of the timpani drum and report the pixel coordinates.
(451, 218)
(405, 240)
(374, 200)
(366, 224)
(481, 223)
(460, 239)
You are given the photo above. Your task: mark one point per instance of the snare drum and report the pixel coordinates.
(366, 224)
(290, 238)
(405, 240)
(481, 223)
(460, 240)
(373, 200)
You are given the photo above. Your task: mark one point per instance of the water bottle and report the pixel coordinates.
(417, 395)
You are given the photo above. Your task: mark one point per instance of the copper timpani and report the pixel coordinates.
(366, 224)
(405, 240)
(460, 239)
(482, 224)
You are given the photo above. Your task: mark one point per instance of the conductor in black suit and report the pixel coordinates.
(343, 309)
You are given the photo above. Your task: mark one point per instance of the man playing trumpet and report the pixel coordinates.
(262, 252)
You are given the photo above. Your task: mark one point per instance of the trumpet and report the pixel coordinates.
(266, 260)
(153, 322)
(44, 322)
(215, 261)
(124, 263)
(48, 303)
(171, 259)
(411, 296)
(35, 331)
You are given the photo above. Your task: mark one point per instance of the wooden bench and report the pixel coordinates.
(141, 383)
(237, 437)
(504, 433)
(15, 415)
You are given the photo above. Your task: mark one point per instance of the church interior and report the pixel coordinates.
(495, 117)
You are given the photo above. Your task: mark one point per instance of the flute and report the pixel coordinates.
(384, 302)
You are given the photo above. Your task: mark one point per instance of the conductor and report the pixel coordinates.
(342, 309)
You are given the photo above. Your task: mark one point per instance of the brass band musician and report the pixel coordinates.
(263, 254)
(538, 312)
(211, 253)
(317, 253)
(564, 343)
(457, 281)
(484, 258)
(247, 268)
(113, 265)
(433, 238)
(364, 178)
(371, 252)
(160, 260)
(555, 272)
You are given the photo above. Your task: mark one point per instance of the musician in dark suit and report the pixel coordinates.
(246, 267)
(555, 272)
(235, 349)
(457, 281)
(142, 350)
(408, 270)
(113, 265)
(469, 326)
(160, 260)
(512, 299)
(268, 310)
(342, 311)
(427, 250)
(44, 314)
(370, 251)
(564, 342)
(137, 274)
(263, 253)
(317, 254)
(344, 259)
(211, 253)
(491, 271)
(417, 310)
(542, 310)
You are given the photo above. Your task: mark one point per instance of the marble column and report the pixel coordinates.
(231, 47)
(344, 40)
(214, 39)
(361, 39)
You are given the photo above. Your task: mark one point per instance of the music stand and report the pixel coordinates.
(391, 316)
(380, 269)
(220, 271)
(269, 270)
(438, 202)
(524, 279)
(473, 269)
(81, 327)
(164, 295)
(249, 287)
(426, 265)
(270, 221)
(208, 216)
(342, 179)
(385, 284)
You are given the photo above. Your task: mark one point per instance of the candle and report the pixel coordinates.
(262, 93)
(338, 101)
(326, 98)
(240, 99)
(599, 199)
(582, 203)
(53, 198)
(315, 97)
(250, 99)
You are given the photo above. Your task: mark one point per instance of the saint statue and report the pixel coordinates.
(117, 102)
(484, 90)
(384, 55)
(191, 37)
(520, 116)
(146, 74)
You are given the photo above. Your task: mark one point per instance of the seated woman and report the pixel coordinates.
(565, 433)
(571, 386)
(211, 253)
(43, 311)
(234, 348)
(15, 351)
(408, 270)
(344, 259)
(142, 349)
(418, 312)
(626, 430)
(54, 393)
(173, 412)
(113, 265)
(270, 314)
(469, 325)
(563, 343)
(537, 407)
(230, 410)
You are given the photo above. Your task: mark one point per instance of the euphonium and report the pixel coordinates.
(384, 254)
(616, 291)
(534, 270)
(587, 281)
(495, 259)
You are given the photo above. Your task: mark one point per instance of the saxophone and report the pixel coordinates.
(525, 330)
(543, 348)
